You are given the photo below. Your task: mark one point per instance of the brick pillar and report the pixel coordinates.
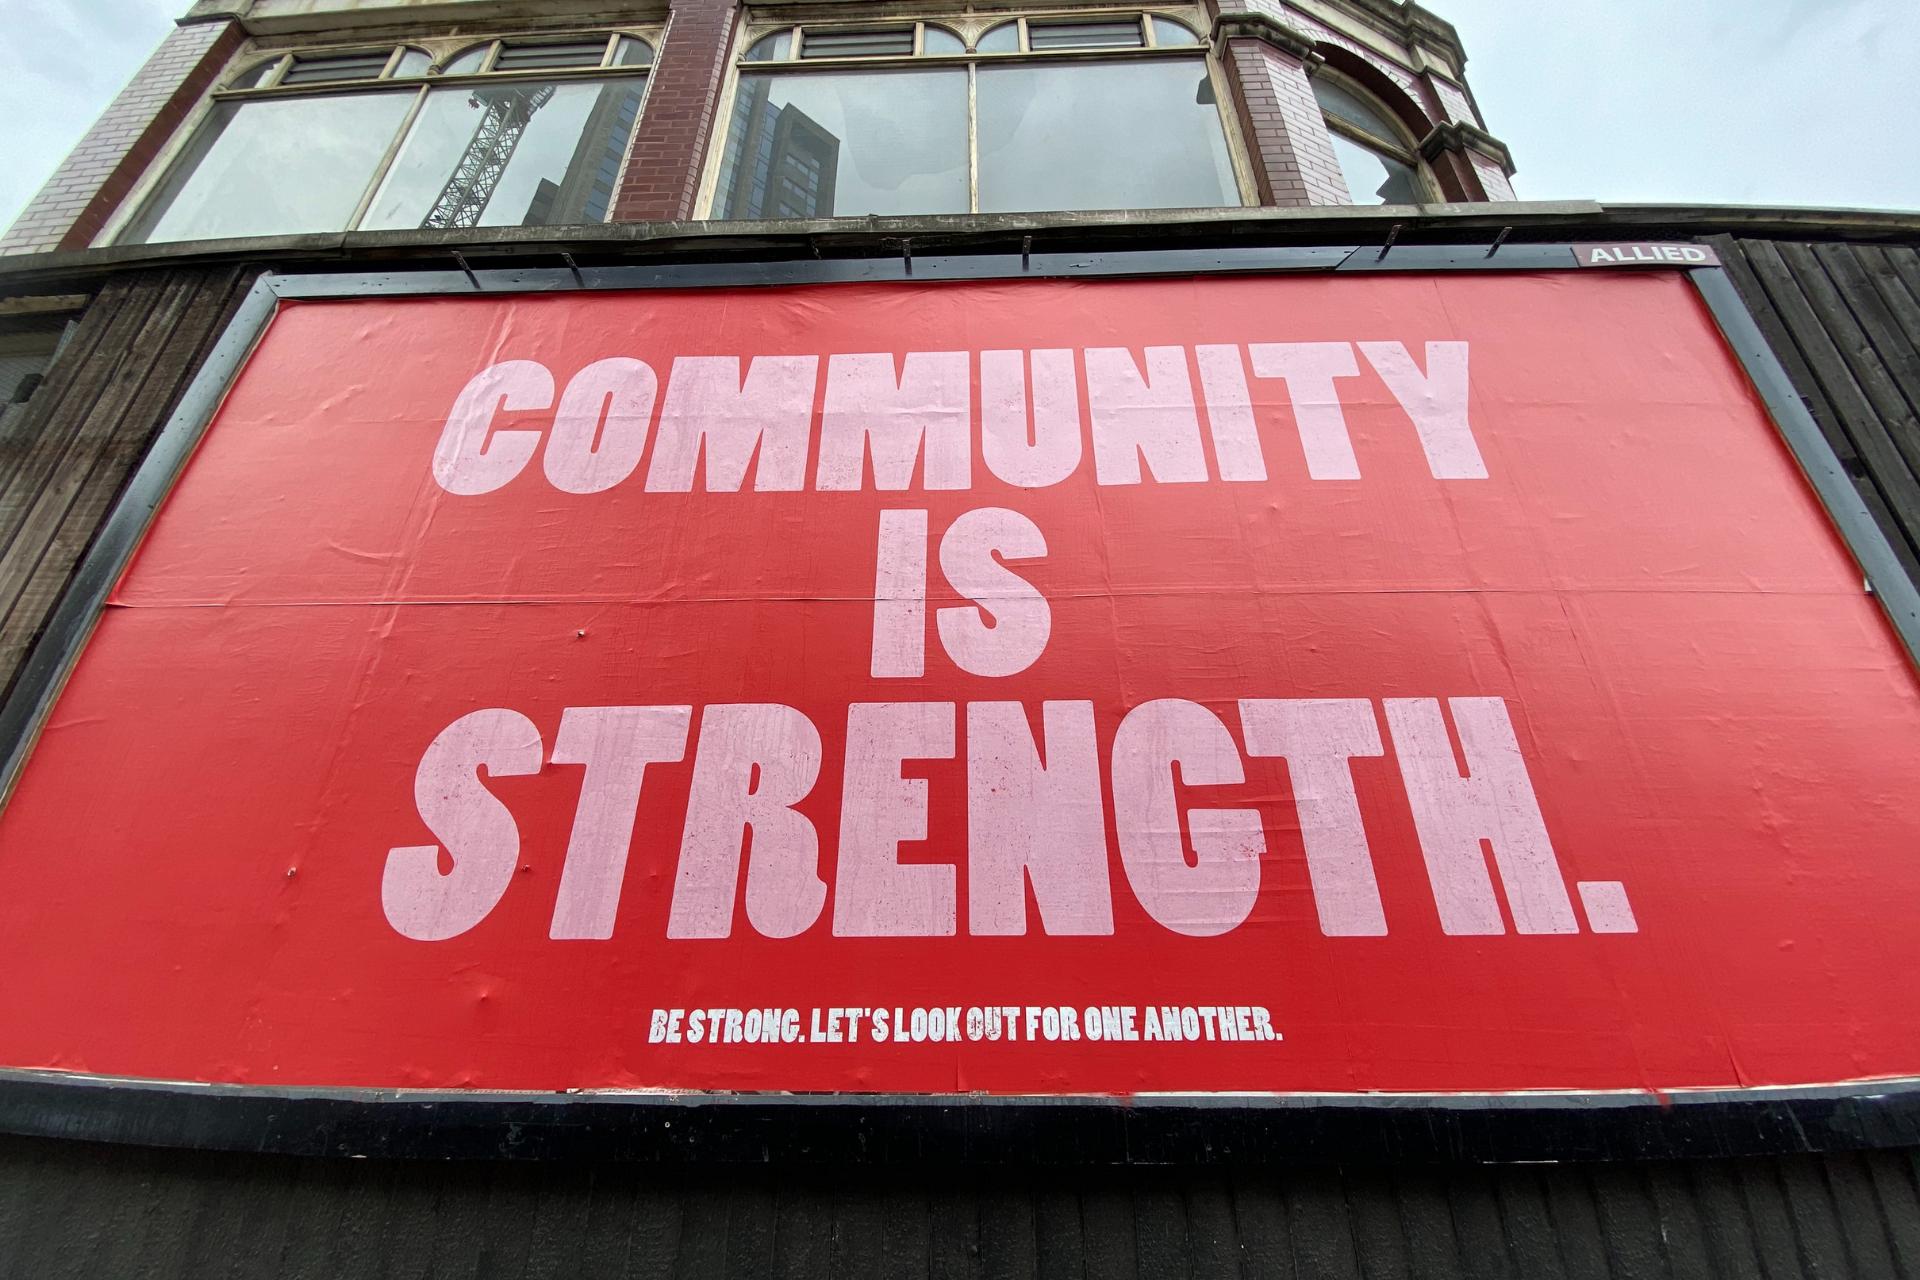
(661, 180)
(102, 168)
(1267, 64)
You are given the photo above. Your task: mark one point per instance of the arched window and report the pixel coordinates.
(386, 137)
(1376, 158)
(1100, 110)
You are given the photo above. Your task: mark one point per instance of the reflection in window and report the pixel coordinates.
(772, 49)
(467, 61)
(939, 40)
(561, 144)
(1375, 159)
(846, 143)
(522, 139)
(273, 166)
(1169, 34)
(1050, 128)
(1004, 38)
(1375, 177)
(1101, 135)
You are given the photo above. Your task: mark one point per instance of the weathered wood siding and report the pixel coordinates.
(65, 459)
(73, 1210)
(1845, 321)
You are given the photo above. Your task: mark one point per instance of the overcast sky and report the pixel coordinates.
(1795, 102)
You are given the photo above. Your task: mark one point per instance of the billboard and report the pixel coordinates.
(1422, 684)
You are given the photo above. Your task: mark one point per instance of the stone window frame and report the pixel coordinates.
(969, 27)
(441, 51)
(1401, 146)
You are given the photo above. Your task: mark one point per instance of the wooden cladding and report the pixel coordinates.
(67, 457)
(1844, 320)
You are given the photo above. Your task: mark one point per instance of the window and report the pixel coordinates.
(1089, 111)
(1378, 163)
(506, 133)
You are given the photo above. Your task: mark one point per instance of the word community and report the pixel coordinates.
(873, 417)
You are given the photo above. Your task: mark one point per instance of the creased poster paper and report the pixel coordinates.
(1236, 684)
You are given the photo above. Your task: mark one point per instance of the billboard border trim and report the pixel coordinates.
(668, 1127)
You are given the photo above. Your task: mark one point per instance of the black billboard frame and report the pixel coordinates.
(729, 1128)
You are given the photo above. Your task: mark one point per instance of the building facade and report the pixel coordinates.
(271, 119)
(1223, 696)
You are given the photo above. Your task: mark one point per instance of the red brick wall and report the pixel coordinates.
(1493, 179)
(92, 181)
(1289, 138)
(1293, 151)
(661, 181)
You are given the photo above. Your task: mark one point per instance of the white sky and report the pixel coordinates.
(1786, 102)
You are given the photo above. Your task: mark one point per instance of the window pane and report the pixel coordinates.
(1373, 178)
(817, 43)
(541, 57)
(274, 167)
(940, 40)
(1004, 38)
(771, 48)
(1342, 105)
(469, 61)
(352, 66)
(526, 154)
(846, 142)
(1168, 34)
(1123, 34)
(254, 75)
(413, 62)
(632, 53)
(1101, 135)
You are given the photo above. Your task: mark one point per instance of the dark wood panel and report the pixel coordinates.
(112, 388)
(1845, 322)
(73, 1209)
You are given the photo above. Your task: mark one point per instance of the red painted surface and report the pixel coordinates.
(1709, 710)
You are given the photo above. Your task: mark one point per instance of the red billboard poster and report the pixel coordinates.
(1242, 684)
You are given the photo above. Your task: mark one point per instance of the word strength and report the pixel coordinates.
(953, 1024)
(1036, 818)
(881, 422)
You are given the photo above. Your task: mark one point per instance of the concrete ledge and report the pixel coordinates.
(1267, 30)
(1463, 136)
(286, 17)
(609, 243)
